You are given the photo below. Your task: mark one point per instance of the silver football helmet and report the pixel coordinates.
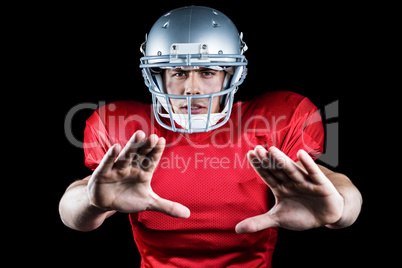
(191, 37)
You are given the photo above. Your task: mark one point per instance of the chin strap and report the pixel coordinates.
(197, 120)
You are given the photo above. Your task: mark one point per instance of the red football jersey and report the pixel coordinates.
(210, 174)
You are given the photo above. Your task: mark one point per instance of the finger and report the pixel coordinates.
(270, 163)
(140, 157)
(108, 159)
(262, 155)
(264, 174)
(151, 160)
(148, 145)
(129, 151)
(285, 168)
(157, 150)
(314, 172)
(170, 208)
(255, 224)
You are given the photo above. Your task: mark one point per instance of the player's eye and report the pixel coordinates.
(179, 74)
(208, 73)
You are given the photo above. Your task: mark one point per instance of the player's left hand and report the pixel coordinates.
(304, 198)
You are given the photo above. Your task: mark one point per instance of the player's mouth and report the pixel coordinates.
(195, 109)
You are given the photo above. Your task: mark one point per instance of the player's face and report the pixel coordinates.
(193, 82)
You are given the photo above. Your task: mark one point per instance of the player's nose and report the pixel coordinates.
(192, 85)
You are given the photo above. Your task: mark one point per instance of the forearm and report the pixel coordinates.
(352, 200)
(76, 211)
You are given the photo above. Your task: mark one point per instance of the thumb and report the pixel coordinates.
(170, 208)
(255, 224)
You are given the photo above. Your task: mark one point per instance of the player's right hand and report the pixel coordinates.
(124, 183)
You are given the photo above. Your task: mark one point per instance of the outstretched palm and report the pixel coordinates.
(124, 183)
(305, 199)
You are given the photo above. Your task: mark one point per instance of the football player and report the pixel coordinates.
(206, 181)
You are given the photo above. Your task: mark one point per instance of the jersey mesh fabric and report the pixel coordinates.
(210, 174)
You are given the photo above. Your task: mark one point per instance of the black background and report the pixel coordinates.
(90, 54)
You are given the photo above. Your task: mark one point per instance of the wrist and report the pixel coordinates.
(344, 220)
(96, 205)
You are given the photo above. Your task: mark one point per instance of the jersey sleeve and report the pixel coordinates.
(114, 123)
(96, 139)
(288, 121)
(305, 131)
